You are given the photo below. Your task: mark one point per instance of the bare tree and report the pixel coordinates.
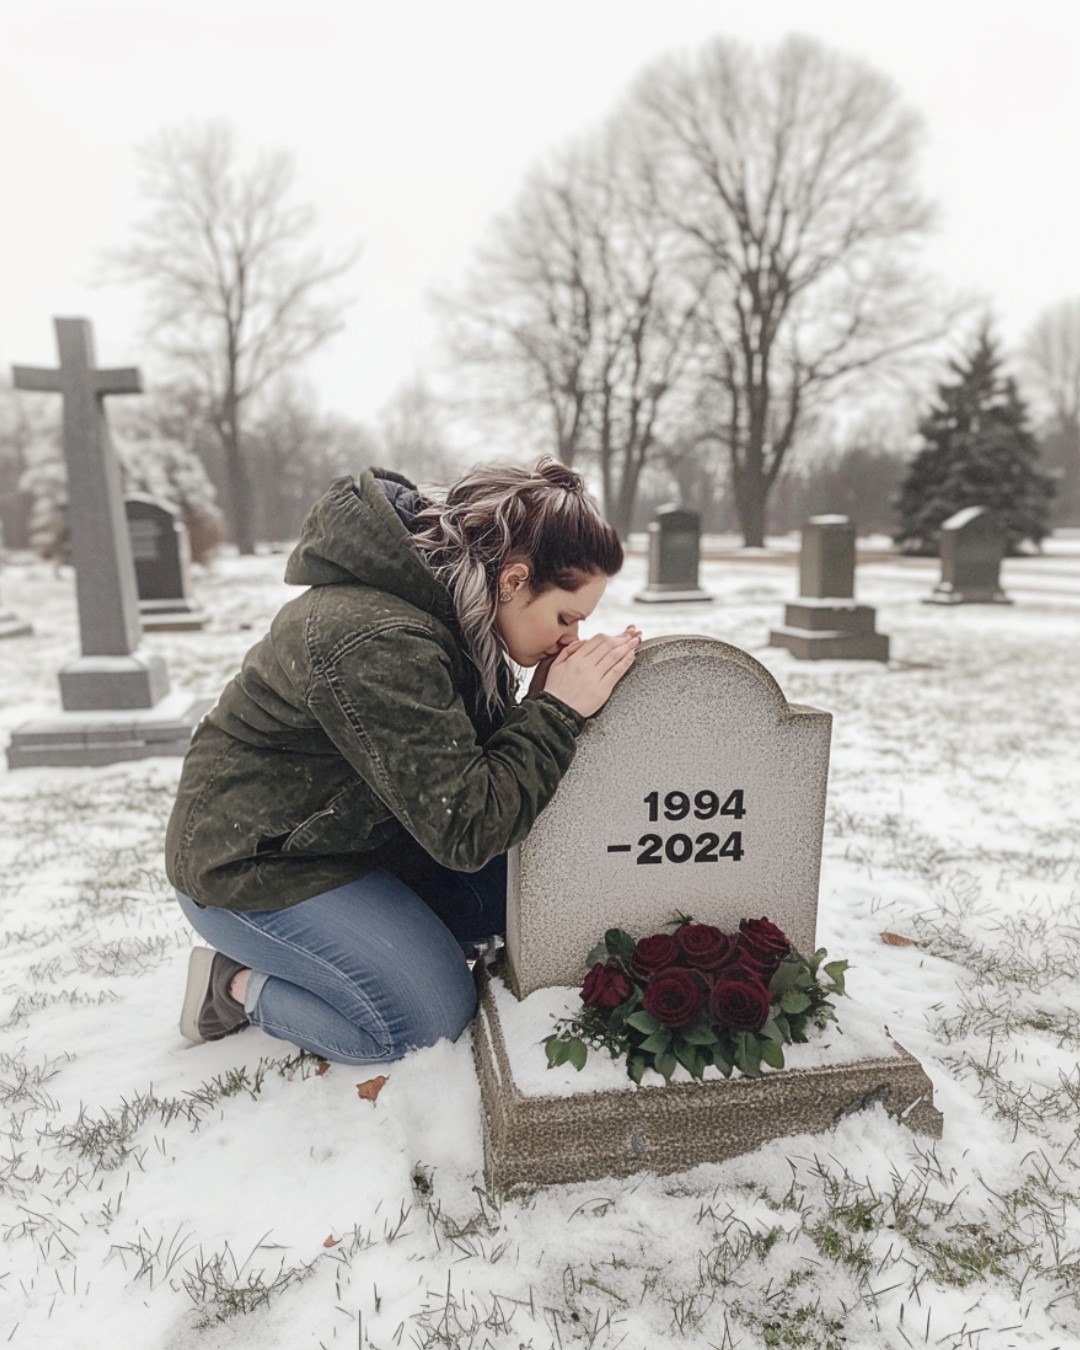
(580, 307)
(413, 438)
(792, 178)
(1052, 364)
(236, 294)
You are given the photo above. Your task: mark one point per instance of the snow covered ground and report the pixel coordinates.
(163, 1195)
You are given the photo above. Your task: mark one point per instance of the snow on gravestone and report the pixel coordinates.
(698, 788)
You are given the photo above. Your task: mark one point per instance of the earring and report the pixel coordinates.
(505, 597)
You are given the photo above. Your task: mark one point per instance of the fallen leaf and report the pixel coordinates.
(331, 1241)
(370, 1088)
(898, 940)
(323, 1065)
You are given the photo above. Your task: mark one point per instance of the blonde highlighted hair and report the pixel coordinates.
(500, 514)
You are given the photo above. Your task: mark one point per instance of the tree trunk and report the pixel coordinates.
(241, 504)
(751, 491)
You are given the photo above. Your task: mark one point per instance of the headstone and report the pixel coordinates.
(825, 623)
(698, 789)
(674, 557)
(972, 549)
(116, 698)
(722, 800)
(162, 557)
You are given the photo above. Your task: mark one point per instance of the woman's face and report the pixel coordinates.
(535, 626)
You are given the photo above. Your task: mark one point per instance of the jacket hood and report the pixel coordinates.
(359, 532)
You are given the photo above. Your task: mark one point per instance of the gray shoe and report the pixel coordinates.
(210, 1012)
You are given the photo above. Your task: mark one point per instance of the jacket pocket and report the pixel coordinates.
(345, 824)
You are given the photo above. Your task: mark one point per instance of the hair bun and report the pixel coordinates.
(559, 475)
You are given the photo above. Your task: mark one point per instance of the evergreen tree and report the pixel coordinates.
(978, 450)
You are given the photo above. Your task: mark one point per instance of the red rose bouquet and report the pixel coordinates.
(698, 997)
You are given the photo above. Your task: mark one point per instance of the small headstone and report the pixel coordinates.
(162, 557)
(674, 558)
(116, 698)
(825, 623)
(972, 549)
(698, 789)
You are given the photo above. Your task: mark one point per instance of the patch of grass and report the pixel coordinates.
(220, 1288)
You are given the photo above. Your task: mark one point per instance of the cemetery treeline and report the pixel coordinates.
(674, 286)
(978, 450)
(235, 293)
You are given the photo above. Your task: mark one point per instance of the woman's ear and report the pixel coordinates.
(513, 577)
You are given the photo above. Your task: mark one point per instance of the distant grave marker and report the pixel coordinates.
(972, 549)
(162, 557)
(116, 695)
(674, 558)
(825, 623)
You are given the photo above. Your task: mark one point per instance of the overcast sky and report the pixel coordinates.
(413, 123)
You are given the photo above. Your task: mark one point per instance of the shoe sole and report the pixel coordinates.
(198, 984)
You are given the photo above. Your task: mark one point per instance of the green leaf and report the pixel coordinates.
(577, 1054)
(598, 953)
(784, 976)
(748, 1054)
(772, 1054)
(720, 1059)
(619, 943)
(835, 971)
(795, 1002)
(691, 1059)
(699, 1034)
(665, 1064)
(771, 1030)
(643, 1021)
(635, 1067)
(782, 1025)
(557, 1051)
(657, 1043)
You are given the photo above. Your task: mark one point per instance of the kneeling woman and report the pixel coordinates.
(344, 811)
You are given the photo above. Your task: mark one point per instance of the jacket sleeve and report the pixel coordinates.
(389, 704)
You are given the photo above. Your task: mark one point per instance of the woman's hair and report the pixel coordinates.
(499, 514)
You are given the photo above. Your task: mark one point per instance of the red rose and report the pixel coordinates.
(760, 966)
(673, 997)
(654, 953)
(704, 946)
(764, 940)
(605, 987)
(741, 1004)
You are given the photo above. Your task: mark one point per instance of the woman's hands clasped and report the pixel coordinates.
(585, 672)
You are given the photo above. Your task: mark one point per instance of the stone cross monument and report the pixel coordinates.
(115, 672)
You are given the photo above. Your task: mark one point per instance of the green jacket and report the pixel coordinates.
(353, 736)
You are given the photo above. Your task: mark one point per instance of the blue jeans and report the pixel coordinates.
(367, 972)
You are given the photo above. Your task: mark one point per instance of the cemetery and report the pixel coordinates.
(907, 808)
(779, 1045)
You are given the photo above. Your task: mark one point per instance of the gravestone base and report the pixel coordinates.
(108, 736)
(171, 616)
(672, 595)
(100, 683)
(830, 630)
(543, 1141)
(12, 626)
(947, 594)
